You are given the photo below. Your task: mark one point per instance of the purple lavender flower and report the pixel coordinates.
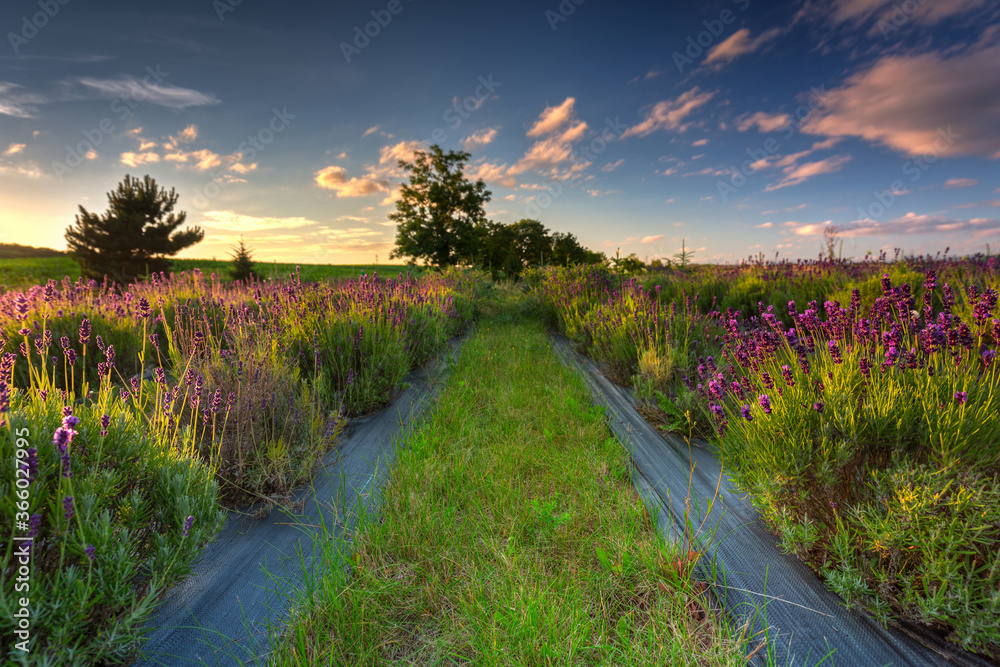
(818, 407)
(989, 356)
(68, 507)
(160, 376)
(187, 526)
(930, 283)
(143, 308)
(105, 422)
(745, 411)
(766, 378)
(4, 397)
(34, 522)
(30, 464)
(886, 285)
(216, 401)
(948, 296)
(965, 336)
(834, 351)
(90, 550)
(20, 306)
(84, 332)
(765, 403)
(961, 396)
(786, 373)
(865, 367)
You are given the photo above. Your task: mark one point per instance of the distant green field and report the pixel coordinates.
(22, 273)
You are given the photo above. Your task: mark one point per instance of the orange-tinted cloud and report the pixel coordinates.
(552, 118)
(960, 183)
(765, 122)
(335, 178)
(920, 104)
(135, 159)
(799, 173)
(669, 114)
(480, 138)
(738, 44)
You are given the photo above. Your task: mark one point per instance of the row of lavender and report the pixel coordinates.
(866, 430)
(129, 414)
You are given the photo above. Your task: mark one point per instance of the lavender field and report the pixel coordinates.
(137, 413)
(857, 404)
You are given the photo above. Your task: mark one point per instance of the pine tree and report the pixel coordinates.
(242, 265)
(136, 236)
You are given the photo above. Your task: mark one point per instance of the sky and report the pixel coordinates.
(737, 127)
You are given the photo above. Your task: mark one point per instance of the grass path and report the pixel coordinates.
(509, 534)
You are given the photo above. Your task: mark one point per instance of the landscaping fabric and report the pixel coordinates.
(751, 579)
(240, 591)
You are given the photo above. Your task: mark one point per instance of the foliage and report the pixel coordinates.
(439, 211)
(113, 515)
(506, 251)
(18, 251)
(242, 267)
(864, 433)
(134, 237)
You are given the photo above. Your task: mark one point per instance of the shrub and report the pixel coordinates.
(114, 518)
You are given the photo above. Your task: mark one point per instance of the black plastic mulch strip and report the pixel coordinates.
(750, 577)
(221, 614)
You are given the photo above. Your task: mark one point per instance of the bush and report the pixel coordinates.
(115, 519)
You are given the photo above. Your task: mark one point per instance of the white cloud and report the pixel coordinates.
(14, 149)
(238, 222)
(160, 94)
(611, 166)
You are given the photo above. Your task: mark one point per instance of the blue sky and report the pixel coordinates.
(738, 125)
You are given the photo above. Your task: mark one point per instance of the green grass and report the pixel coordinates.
(509, 534)
(23, 273)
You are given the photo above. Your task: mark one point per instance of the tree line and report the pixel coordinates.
(440, 220)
